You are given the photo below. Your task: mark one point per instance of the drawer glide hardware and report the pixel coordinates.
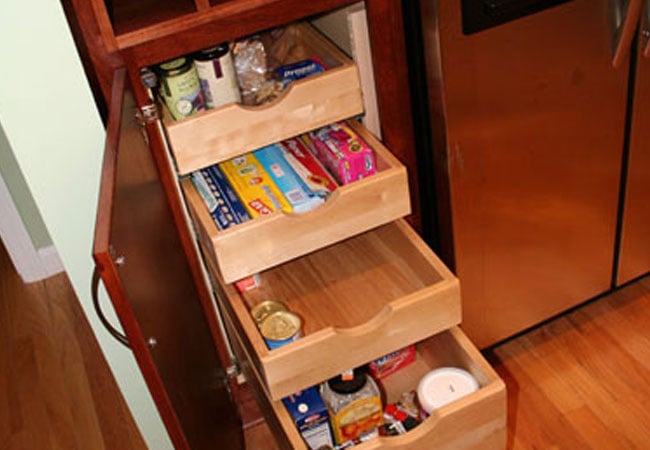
(144, 115)
(232, 371)
(147, 114)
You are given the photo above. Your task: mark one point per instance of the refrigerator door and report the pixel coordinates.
(634, 258)
(534, 117)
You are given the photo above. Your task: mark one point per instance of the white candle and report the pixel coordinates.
(444, 385)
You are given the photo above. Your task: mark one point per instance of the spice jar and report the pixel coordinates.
(216, 72)
(180, 88)
(354, 404)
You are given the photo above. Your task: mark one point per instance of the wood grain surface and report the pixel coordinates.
(57, 389)
(579, 381)
(582, 380)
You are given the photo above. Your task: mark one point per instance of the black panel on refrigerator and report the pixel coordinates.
(481, 15)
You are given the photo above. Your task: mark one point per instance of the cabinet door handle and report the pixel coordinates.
(110, 328)
(645, 33)
(627, 32)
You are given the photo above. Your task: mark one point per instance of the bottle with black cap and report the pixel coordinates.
(354, 403)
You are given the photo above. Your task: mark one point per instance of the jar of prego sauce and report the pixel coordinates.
(180, 87)
(354, 402)
(216, 73)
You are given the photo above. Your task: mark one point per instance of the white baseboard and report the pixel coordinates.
(31, 264)
(50, 261)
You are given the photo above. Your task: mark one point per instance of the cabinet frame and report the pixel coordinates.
(103, 52)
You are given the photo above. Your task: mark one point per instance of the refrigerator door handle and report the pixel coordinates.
(645, 29)
(626, 33)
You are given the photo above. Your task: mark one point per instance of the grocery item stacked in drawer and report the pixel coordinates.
(307, 103)
(288, 176)
(271, 239)
(313, 110)
(299, 213)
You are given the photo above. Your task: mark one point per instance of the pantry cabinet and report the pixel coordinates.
(355, 270)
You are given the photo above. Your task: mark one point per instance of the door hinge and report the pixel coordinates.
(232, 371)
(144, 115)
(226, 376)
(147, 114)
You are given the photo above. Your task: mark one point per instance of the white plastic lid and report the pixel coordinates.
(444, 385)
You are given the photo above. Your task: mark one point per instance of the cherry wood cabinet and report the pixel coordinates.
(156, 251)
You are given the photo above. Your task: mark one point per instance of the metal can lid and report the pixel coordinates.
(280, 325)
(263, 309)
(175, 66)
(208, 54)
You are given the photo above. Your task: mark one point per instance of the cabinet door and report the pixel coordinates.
(635, 237)
(140, 259)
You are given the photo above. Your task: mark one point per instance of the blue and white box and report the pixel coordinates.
(311, 417)
(295, 190)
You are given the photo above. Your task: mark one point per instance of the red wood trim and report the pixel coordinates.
(393, 95)
(99, 57)
(202, 5)
(110, 278)
(223, 22)
(107, 181)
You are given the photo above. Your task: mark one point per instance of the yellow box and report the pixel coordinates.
(254, 186)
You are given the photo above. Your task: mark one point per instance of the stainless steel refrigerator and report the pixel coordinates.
(538, 118)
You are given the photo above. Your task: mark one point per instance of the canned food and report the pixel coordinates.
(217, 75)
(280, 328)
(264, 309)
(180, 87)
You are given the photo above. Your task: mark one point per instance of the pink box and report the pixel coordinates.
(342, 151)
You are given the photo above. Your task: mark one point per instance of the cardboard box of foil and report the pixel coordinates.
(310, 415)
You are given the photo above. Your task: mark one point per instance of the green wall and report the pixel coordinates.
(56, 137)
(22, 197)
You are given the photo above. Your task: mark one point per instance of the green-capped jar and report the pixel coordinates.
(180, 87)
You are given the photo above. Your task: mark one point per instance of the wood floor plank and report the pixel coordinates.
(56, 390)
(75, 388)
(589, 368)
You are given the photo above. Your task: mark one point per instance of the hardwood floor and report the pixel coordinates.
(56, 391)
(581, 381)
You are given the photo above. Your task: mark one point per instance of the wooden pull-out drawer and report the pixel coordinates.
(476, 421)
(267, 241)
(358, 300)
(223, 133)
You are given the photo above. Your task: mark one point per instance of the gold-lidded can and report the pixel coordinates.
(280, 328)
(263, 309)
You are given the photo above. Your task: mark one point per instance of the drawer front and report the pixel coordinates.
(476, 421)
(267, 241)
(223, 133)
(358, 300)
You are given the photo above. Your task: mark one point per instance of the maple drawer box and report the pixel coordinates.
(266, 241)
(475, 421)
(219, 134)
(358, 300)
